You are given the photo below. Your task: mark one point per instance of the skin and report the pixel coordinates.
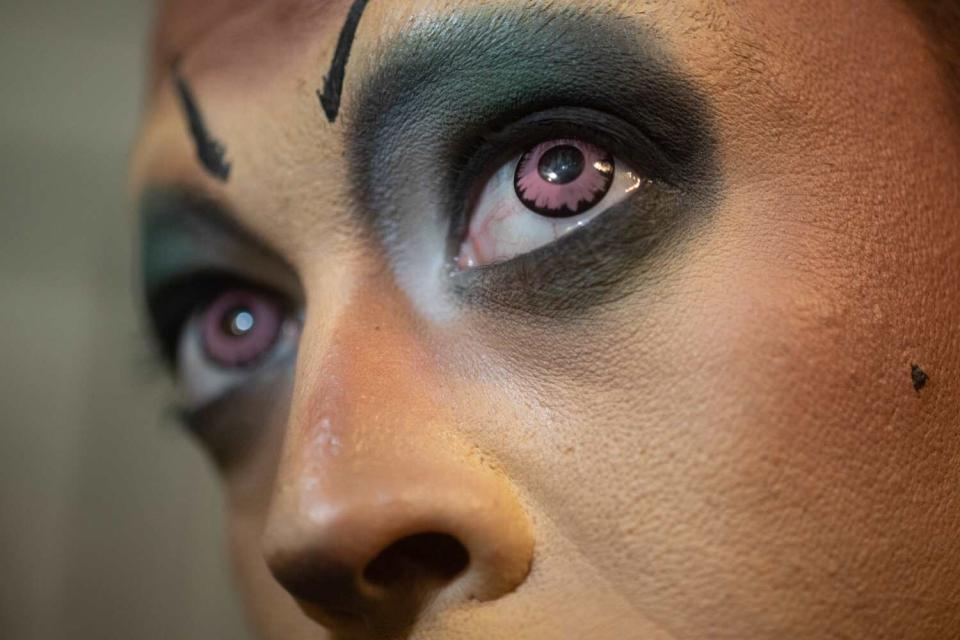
(730, 447)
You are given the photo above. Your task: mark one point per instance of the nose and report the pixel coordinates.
(381, 506)
(371, 560)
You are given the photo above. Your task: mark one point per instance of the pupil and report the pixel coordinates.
(238, 322)
(561, 165)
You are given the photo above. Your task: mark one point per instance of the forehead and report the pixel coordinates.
(727, 46)
(181, 26)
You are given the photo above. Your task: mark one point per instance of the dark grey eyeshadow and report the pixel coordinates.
(444, 94)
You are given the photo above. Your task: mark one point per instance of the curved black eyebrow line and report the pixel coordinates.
(210, 151)
(333, 81)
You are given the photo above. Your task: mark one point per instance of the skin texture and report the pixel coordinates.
(729, 447)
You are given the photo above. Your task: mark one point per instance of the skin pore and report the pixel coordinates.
(695, 416)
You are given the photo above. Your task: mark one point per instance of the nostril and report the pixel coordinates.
(422, 558)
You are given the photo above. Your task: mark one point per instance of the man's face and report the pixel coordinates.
(566, 320)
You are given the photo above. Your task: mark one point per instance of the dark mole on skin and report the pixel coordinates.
(333, 81)
(918, 376)
(210, 152)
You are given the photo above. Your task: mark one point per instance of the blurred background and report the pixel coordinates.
(110, 519)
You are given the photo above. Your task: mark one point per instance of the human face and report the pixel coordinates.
(683, 406)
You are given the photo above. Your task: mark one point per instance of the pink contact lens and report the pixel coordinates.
(239, 327)
(563, 178)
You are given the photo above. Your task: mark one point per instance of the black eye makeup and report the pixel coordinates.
(456, 132)
(226, 312)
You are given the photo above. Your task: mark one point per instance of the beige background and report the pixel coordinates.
(109, 518)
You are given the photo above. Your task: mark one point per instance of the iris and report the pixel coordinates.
(563, 178)
(239, 327)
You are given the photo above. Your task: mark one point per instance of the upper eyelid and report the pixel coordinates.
(182, 234)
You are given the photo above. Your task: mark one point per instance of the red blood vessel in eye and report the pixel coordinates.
(239, 327)
(563, 178)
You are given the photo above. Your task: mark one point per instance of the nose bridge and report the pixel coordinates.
(373, 456)
(367, 402)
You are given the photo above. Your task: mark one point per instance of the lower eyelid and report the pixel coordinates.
(231, 426)
(604, 261)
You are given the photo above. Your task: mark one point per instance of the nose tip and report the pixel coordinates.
(372, 564)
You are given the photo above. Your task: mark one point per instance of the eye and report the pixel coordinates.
(550, 190)
(240, 332)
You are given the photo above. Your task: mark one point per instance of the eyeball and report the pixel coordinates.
(545, 193)
(230, 340)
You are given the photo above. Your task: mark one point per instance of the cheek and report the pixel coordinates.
(749, 431)
(805, 444)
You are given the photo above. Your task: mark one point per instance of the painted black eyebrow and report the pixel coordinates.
(333, 81)
(210, 151)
